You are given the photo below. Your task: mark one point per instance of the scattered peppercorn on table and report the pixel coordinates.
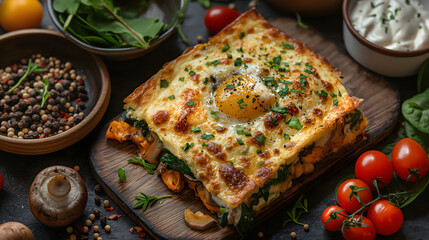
(103, 218)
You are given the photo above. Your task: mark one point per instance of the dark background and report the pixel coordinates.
(19, 171)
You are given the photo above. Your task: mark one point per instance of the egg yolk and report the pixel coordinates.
(243, 98)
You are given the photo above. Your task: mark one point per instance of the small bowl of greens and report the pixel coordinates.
(116, 30)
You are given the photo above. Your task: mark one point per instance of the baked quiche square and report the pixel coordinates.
(244, 115)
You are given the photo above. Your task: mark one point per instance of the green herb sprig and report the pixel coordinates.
(143, 162)
(31, 68)
(145, 200)
(45, 93)
(294, 213)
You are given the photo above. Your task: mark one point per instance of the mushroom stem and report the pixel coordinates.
(59, 186)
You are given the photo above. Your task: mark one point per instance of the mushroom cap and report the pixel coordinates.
(57, 196)
(15, 231)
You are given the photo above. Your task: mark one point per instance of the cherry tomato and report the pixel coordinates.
(1, 181)
(343, 195)
(217, 18)
(336, 221)
(20, 14)
(360, 232)
(374, 164)
(386, 217)
(409, 159)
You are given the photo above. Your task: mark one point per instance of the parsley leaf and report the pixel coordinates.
(261, 139)
(171, 97)
(192, 73)
(239, 129)
(214, 114)
(230, 86)
(207, 136)
(260, 163)
(164, 83)
(225, 48)
(335, 102)
(191, 103)
(240, 141)
(288, 45)
(294, 123)
(237, 62)
(195, 130)
(187, 146)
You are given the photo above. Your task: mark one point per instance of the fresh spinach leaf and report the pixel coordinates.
(404, 192)
(205, 3)
(420, 137)
(416, 111)
(246, 220)
(223, 219)
(174, 163)
(141, 124)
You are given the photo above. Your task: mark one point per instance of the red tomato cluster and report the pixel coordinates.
(410, 162)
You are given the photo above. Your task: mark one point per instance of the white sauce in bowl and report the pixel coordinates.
(401, 25)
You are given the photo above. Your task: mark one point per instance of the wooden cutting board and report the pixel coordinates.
(165, 219)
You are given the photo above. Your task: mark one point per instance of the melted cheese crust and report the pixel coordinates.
(230, 171)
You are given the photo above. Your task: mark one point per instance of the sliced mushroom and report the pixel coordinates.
(199, 220)
(152, 153)
(174, 180)
(57, 196)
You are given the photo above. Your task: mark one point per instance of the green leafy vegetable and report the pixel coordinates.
(246, 220)
(145, 200)
(223, 218)
(420, 137)
(353, 118)
(174, 163)
(121, 174)
(416, 111)
(141, 124)
(140, 161)
(294, 123)
(103, 24)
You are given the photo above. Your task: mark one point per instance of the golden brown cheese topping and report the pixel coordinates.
(239, 107)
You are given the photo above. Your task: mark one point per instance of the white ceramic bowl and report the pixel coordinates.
(376, 58)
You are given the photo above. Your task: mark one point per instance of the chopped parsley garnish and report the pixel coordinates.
(229, 56)
(230, 86)
(171, 97)
(242, 106)
(284, 91)
(204, 144)
(164, 83)
(279, 109)
(196, 130)
(288, 45)
(240, 49)
(335, 102)
(240, 141)
(277, 60)
(215, 63)
(270, 82)
(333, 95)
(303, 80)
(261, 139)
(191, 103)
(214, 114)
(274, 121)
(296, 90)
(237, 62)
(239, 129)
(294, 123)
(286, 136)
(206, 81)
(322, 93)
(241, 35)
(225, 48)
(298, 63)
(258, 150)
(182, 79)
(231, 163)
(207, 136)
(192, 73)
(187, 146)
(240, 101)
(247, 133)
(339, 93)
(260, 163)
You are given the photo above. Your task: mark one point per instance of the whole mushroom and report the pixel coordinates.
(57, 196)
(15, 231)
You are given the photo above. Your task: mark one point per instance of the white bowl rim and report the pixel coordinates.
(373, 46)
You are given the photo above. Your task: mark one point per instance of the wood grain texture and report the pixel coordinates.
(165, 221)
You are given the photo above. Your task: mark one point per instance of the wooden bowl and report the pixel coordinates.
(165, 11)
(23, 43)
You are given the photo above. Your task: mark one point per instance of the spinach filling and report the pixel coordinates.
(264, 192)
(174, 163)
(141, 124)
(244, 224)
(353, 119)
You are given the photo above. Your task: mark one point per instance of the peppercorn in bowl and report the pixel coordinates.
(52, 93)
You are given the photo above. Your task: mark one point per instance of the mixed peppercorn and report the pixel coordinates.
(40, 97)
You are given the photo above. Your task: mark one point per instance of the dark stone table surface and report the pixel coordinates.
(19, 171)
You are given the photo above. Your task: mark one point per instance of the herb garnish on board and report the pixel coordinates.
(101, 23)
